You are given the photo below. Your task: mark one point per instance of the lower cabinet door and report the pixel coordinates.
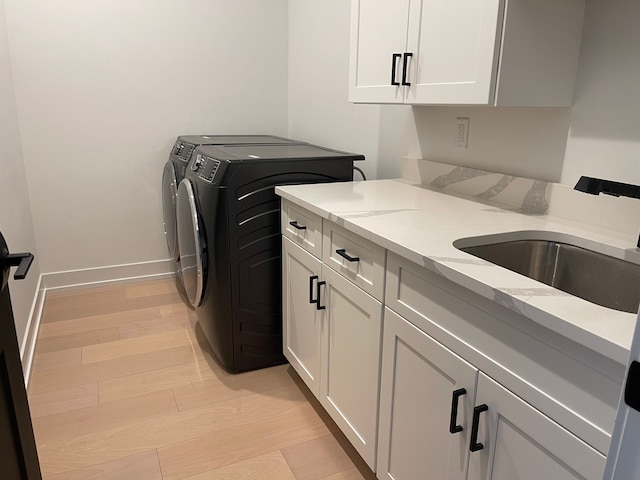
(426, 398)
(516, 441)
(301, 319)
(350, 367)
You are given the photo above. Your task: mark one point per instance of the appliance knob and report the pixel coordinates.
(197, 162)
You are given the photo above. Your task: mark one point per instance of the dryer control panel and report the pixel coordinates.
(205, 167)
(183, 150)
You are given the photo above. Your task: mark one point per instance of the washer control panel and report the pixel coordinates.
(205, 167)
(183, 150)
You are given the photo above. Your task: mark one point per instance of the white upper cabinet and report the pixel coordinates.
(465, 52)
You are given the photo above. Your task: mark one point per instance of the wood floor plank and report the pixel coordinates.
(135, 346)
(177, 309)
(155, 380)
(57, 378)
(67, 305)
(143, 466)
(151, 288)
(318, 458)
(79, 339)
(82, 324)
(353, 473)
(63, 358)
(271, 466)
(105, 416)
(139, 328)
(225, 387)
(221, 421)
(63, 400)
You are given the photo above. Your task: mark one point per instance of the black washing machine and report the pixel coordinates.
(229, 234)
(175, 167)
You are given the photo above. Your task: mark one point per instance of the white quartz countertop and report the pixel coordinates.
(422, 224)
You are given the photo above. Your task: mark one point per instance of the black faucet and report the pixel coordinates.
(596, 186)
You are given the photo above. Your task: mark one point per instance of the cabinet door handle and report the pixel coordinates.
(318, 305)
(474, 446)
(453, 422)
(405, 64)
(297, 226)
(311, 280)
(394, 63)
(343, 253)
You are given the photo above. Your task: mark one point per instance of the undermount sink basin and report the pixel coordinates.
(607, 281)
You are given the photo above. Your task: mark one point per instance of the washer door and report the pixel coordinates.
(169, 195)
(192, 243)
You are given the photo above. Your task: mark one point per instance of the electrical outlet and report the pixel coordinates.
(462, 132)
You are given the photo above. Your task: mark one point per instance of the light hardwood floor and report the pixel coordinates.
(124, 387)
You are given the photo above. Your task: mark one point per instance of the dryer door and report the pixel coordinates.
(192, 243)
(169, 194)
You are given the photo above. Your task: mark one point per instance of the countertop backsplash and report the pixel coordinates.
(528, 195)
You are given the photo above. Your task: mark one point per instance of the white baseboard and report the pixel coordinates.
(78, 279)
(28, 347)
(90, 277)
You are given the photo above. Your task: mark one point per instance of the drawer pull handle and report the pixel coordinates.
(311, 279)
(405, 69)
(297, 226)
(343, 253)
(475, 445)
(453, 422)
(394, 62)
(317, 302)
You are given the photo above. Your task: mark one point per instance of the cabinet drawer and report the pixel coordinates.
(359, 260)
(302, 227)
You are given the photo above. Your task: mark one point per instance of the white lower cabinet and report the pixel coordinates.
(442, 418)
(301, 330)
(332, 332)
(516, 441)
(427, 392)
(420, 401)
(349, 375)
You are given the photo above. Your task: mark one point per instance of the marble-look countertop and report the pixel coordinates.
(422, 224)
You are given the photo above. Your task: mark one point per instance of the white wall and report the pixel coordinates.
(103, 87)
(15, 212)
(600, 135)
(605, 126)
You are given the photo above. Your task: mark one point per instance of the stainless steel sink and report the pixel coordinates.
(592, 276)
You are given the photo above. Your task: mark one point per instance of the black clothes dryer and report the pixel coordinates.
(229, 233)
(175, 167)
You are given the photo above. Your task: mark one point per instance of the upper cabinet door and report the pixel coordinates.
(454, 46)
(378, 43)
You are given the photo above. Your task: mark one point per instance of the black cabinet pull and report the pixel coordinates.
(297, 226)
(311, 279)
(21, 260)
(474, 446)
(405, 62)
(453, 422)
(394, 62)
(343, 253)
(318, 305)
